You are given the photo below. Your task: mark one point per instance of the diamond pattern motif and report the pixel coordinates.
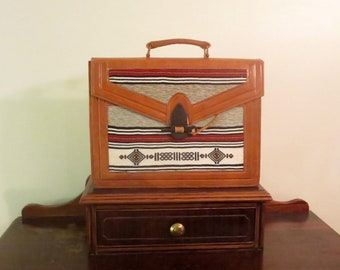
(216, 155)
(136, 157)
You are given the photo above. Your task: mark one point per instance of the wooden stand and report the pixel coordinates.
(121, 220)
(168, 220)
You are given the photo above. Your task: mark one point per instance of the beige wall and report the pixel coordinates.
(45, 46)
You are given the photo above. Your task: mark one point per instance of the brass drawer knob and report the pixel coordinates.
(177, 229)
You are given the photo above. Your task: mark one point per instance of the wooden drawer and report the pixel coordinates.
(171, 227)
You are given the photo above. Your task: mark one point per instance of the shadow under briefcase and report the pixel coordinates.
(175, 152)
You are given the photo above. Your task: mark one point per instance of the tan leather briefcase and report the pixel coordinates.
(175, 122)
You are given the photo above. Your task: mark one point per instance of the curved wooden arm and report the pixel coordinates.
(71, 209)
(293, 206)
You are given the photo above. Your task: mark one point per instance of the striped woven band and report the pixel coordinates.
(178, 76)
(151, 149)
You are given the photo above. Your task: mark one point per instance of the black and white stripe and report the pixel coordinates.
(174, 145)
(166, 131)
(175, 80)
(202, 167)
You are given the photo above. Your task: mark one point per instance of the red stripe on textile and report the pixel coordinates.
(168, 138)
(205, 73)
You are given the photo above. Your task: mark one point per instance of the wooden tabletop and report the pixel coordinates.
(293, 241)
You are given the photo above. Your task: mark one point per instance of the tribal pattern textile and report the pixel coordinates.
(137, 143)
(150, 149)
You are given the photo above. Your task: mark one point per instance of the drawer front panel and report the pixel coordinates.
(176, 226)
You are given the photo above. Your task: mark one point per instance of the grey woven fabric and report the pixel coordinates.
(163, 92)
(118, 116)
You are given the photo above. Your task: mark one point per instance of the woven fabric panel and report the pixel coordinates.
(138, 143)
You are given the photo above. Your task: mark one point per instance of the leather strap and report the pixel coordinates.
(165, 42)
(196, 131)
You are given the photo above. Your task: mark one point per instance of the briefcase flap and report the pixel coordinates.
(151, 86)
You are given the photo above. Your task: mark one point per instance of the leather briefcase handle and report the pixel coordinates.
(165, 42)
